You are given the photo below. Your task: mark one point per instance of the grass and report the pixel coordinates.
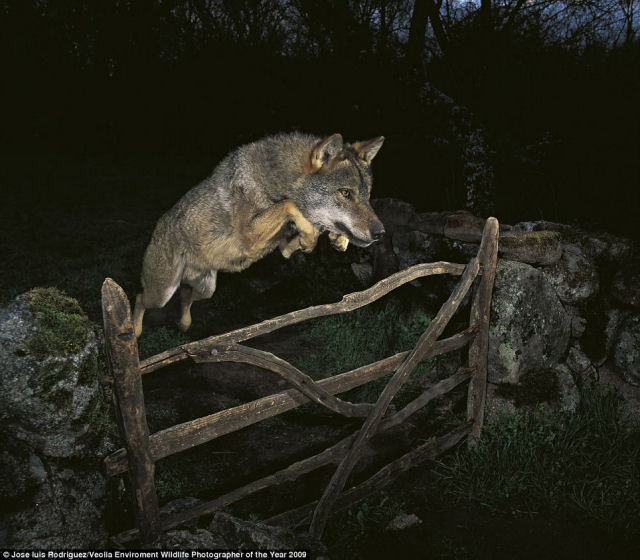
(585, 466)
(347, 530)
(158, 340)
(363, 336)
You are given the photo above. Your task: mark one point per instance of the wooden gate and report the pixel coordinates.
(142, 449)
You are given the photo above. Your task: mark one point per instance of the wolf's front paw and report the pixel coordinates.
(309, 239)
(338, 242)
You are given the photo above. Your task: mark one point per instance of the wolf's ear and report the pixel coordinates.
(324, 151)
(367, 149)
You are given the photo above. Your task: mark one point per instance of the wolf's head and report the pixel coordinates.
(337, 187)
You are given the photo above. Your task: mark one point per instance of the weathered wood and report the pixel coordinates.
(189, 434)
(424, 345)
(330, 455)
(479, 316)
(122, 356)
(386, 475)
(301, 381)
(349, 302)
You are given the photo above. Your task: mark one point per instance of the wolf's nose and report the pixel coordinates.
(378, 233)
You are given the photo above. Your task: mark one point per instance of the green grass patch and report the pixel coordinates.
(584, 466)
(363, 336)
(161, 339)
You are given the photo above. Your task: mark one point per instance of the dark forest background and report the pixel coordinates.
(553, 85)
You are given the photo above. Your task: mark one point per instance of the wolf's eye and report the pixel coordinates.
(346, 193)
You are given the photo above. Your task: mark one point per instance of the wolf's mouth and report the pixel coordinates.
(342, 229)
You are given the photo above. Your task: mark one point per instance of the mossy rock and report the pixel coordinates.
(49, 391)
(535, 247)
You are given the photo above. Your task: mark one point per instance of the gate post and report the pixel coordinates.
(123, 361)
(479, 316)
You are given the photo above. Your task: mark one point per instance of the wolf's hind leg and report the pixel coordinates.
(201, 287)
(160, 280)
(150, 300)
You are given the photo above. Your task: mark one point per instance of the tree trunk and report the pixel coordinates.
(417, 30)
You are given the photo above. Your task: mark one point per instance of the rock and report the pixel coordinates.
(463, 226)
(383, 259)
(578, 326)
(580, 364)
(555, 387)
(49, 392)
(243, 535)
(612, 319)
(626, 348)
(574, 276)
(630, 395)
(537, 247)
(603, 246)
(363, 272)
(497, 405)
(403, 521)
(194, 539)
(529, 328)
(54, 425)
(625, 287)
(180, 505)
(569, 394)
(428, 222)
(63, 511)
(541, 225)
(395, 214)
(413, 247)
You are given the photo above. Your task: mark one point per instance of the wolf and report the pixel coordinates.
(282, 192)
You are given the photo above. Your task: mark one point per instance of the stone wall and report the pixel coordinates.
(566, 304)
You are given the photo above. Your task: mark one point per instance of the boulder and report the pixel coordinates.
(193, 539)
(630, 394)
(536, 247)
(626, 347)
(49, 392)
(574, 277)
(625, 287)
(247, 535)
(554, 387)
(395, 214)
(580, 364)
(54, 425)
(529, 328)
(413, 247)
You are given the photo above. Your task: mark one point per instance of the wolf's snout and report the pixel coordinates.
(377, 232)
